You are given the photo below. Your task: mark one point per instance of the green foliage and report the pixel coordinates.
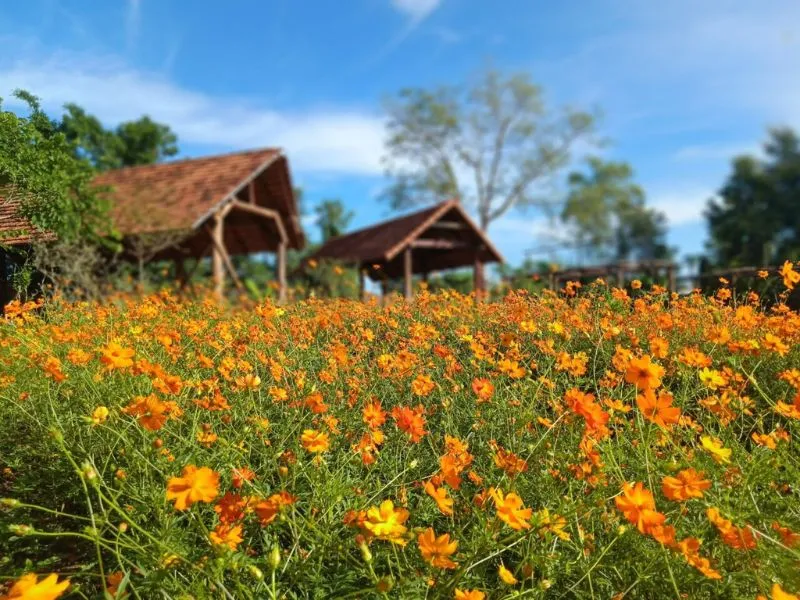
(140, 142)
(332, 218)
(498, 131)
(39, 168)
(754, 220)
(608, 212)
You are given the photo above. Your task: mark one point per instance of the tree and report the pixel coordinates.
(39, 169)
(332, 218)
(754, 220)
(139, 142)
(608, 213)
(489, 145)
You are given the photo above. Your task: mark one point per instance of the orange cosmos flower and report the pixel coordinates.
(151, 411)
(422, 385)
(267, 510)
(315, 441)
(688, 484)
(739, 538)
(790, 276)
(469, 595)
(636, 503)
(52, 366)
(444, 502)
(231, 508)
(28, 588)
(194, 485)
(410, 420)
(778, 593)
(373, 415)
(437, 550)
(788, 537)
(658, 409)
(483, 388)
(643, 373)
(240, 475)
(511, 510)
(116, 357)
(385, 522)
(229, 536)
(506, 576)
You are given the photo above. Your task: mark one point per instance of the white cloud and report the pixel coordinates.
(416, 9)
(681, 206)
(323, 140)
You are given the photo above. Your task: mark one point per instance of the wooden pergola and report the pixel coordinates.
(217, 206)
(436, 238)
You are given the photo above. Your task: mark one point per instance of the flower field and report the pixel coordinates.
(597, 443)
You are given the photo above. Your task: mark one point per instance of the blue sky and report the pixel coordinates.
(684, 85)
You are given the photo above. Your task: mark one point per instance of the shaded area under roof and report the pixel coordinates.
(441, 237)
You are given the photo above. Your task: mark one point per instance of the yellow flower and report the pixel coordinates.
(195, 485)
(506, 575)
(715, 447)
(28, 588)
(712, 379)
(99, 415)
(315, 441)
(116, 357)
(386, 522)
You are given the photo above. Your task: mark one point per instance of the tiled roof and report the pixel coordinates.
(180, 194)
(15, 229)
(383, 243)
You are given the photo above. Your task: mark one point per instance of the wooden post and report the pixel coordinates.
(281, 272)
(384, 292)
(361, 282)
(217, 272)
(407, 273)
(180, 272)
(671, 279)
(477, 276)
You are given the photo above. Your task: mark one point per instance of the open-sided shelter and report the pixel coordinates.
(436, 238)
(232, 204)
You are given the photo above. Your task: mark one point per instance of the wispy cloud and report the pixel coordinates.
(682, 205)
(133, 19)
(339, 140)
(416, 9)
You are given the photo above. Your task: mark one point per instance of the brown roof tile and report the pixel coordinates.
(180, 194)
(15, 230)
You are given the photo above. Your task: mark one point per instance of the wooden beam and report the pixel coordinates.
(407, 272)
(452, 225)
(281, 258)
(217, 274)
(221, 254)
(251, 192)
(438, 244)
(263, 212)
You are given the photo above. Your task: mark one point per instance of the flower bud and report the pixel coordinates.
(274, 557)
(21, 530)
(365, 553)
(9, 502)
(256, 572)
